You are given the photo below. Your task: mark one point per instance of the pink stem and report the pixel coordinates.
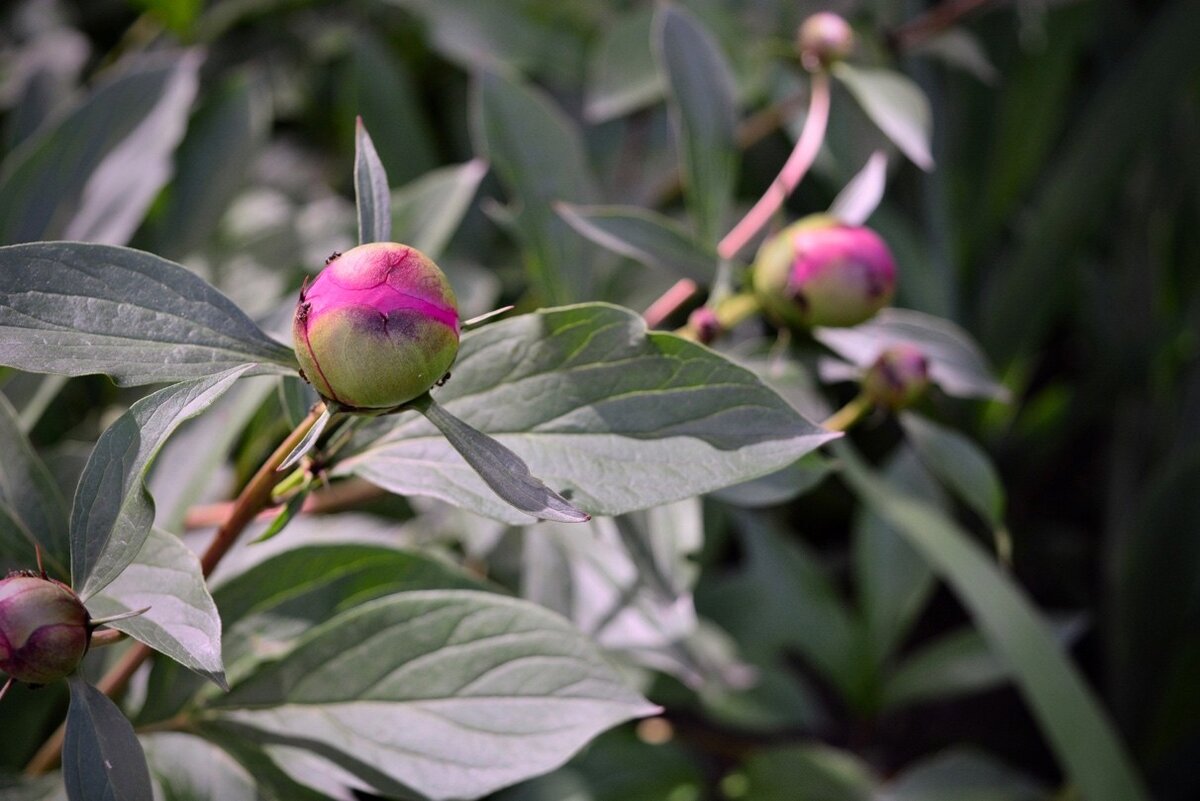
(793, 170)
(679, 293)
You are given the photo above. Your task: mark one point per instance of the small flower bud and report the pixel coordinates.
(377, 327)
(44, 629)
(898, 378)
(704, 324)
(820, 272)
(823, 39)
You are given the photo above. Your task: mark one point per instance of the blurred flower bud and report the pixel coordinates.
(44, 629)
(898, 378)
(377, 327)
(823, 39)
(704, 323)
(820, 272)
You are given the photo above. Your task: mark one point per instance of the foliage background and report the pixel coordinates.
(1058, 228)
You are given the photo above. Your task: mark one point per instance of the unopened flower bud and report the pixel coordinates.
(823, 39)
(377, 327)
(704, 323)
(897, 378)
(44, 629)
(820, 272)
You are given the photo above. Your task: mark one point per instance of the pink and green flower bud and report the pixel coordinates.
(377, 327)
(704, 323)
(44, 629)
(818, 271)
(897, 378)
(823, 39)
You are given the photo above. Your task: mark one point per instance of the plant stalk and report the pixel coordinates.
(844, 418)
(254, 497)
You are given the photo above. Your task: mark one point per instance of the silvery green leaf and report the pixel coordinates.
(182, 621)
(597, 407)
(896, 104)
(371, 190)
(32, 510)
(74, 309)
(113, 511)
(442, 694)
(427, 211)
(644, 236)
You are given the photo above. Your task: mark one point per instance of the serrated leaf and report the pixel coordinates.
(956, 363)
(896, 104)
(33, 512)
(858, 199)
(371, 190)
(94, 173)
(113, 511)
(75, 309)
(427, 212)
(1078, 729)
(449, 694)
(961, 464)
(539, 155)
(702, 97)
(644, 236)
(182, 621)
(597, 406)
(102, 758)
(622, 76)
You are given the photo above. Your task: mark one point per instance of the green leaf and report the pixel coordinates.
(113, 511)
(427, 212)
(961, 464)
(370, 190)
(955, 664)
(894, 583)
(703, 102)
(94, 173)
(622, 76)
(182, 621)
(188, 768)
(644, 236)
(102, 758)
(809, 772)
(32, 510)
(539, 155)
(448, 694)
(74, 309)
(224, 135)
(501, 469)
(779, 487)
(271, 783)
(1076, 725)
(595, 405)
(963, 775)
(896, 105)
(956, 363)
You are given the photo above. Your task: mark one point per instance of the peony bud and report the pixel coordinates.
(705, 324)
(823, 39)
(44, 629)
(820, 272)
(377, 327)
(898, 378)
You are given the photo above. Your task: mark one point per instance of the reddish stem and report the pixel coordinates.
(670, 302)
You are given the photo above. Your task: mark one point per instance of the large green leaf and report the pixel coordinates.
(539, 154)
(622, 75)
(644, 236)
(373, 198)
(182, 620)
(113, 511)
(427, 212)
(74, 309)
(93, 174)
(102, 758)
(702, 96)
(32, 510)
(598, 408)
(448, 694)
(188, 768)
(1076, 725)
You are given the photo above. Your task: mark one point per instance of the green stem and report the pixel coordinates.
(844, 418)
